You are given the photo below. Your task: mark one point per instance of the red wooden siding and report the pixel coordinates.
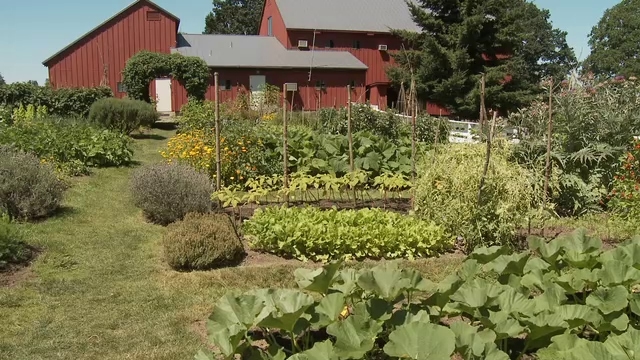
(277, 23)
(376, 60)
(307, 97)
(110, 47)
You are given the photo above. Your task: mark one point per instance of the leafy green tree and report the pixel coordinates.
(462, 39)
(615, 41)
(32, 82)
(2, 82)
(240, 17)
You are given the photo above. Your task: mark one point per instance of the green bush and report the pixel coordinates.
(321, 235)
(71, 145)
(122, 115)
(197, 115)
(168, 192)
(201, 242)
(65, 102)
(28, 188)
(447, 193)
(12, 249)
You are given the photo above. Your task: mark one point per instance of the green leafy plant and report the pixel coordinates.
(567, 299)
(201, 242)
(168, 192)
(122, 115)
(322, 235)
(69, 144)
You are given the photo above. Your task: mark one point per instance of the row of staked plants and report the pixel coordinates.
(564, 299)
(353, 186)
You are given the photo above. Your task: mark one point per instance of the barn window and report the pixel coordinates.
(270, 26)
(153, 16)
(330, 44)
(227, 84)
(121, 88)
(352, 84)
(320, 85)
(356, 44)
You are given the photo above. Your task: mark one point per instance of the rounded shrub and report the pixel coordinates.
(12, 249)
(122, 115)
(201, 242)
(447, 193)
(29, 189)
(168, 192)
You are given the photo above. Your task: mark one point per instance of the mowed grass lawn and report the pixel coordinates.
(100, 288)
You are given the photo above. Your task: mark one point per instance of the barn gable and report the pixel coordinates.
(110, 22)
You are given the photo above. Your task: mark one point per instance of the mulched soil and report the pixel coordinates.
(17, 273)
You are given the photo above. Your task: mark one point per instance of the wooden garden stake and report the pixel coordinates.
(547, 165)
(217, 121)
(414, 112)
(285, 150)
(482, 105)
(487, 158)
(349, 135)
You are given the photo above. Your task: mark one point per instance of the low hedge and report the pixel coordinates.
(64, 102)
(310, 233)
(122, 115)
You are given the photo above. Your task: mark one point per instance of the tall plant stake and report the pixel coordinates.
(217, 121)
(547, 163)
(487, 158)
(285, 145)
(349, 135)
(414, 113)
(483, 109)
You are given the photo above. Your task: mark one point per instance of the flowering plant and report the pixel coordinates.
(625, 196)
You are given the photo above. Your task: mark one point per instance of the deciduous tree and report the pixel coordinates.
(2, 82)
(615, 42)
(234, 17)
(511, 41)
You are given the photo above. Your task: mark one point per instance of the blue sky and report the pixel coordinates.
(33, 30)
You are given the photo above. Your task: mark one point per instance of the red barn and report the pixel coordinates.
(318, 47)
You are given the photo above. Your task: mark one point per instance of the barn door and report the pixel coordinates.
(257, 84)
(163, 95)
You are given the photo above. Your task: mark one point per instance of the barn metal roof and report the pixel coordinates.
(253, 51)
(378, 16)
(136, 2)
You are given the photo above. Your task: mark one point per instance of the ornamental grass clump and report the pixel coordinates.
(201, 242)
(448, 188)
(122, 115)
(29, 189)
(168, 192)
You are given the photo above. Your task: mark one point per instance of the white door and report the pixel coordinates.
(163, 95)
(257, 83)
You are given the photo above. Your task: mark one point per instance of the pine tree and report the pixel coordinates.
(511, 41)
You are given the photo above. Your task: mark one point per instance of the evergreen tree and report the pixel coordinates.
(511, 41)
(241, 17)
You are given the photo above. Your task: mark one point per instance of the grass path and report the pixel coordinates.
(100, 289)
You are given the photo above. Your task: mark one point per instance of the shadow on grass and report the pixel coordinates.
(165, 125)
(148, 137)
